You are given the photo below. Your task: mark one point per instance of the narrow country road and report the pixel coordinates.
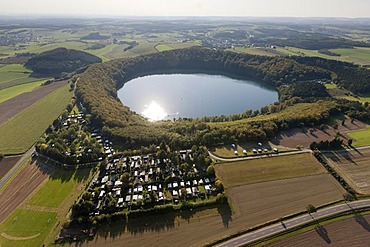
(281, 227)
(15, 167)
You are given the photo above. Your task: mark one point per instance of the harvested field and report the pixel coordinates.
(268, 169)
(7, 163)
(17, 104)
(270, 200)
(296, 137)
(350, 232)
(353, 166)
(30, 178)
(199, 228)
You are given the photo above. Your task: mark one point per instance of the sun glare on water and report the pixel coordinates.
(154, 112)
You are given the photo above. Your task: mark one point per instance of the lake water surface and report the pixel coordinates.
(171, 96)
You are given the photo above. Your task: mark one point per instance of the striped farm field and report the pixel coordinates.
(23, 130)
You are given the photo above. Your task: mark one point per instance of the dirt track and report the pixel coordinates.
(20, 189)
(296, 137)
(350, 232)
(17, 104)
(7, 163)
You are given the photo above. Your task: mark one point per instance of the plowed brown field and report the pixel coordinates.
(20, 189)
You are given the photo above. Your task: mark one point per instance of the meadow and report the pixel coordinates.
(360, 137)
(24, 129)
(26, 228)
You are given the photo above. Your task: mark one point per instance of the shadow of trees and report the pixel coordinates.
(159, 222)
(323, 233)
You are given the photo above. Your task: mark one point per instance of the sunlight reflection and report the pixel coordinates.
(154, 112)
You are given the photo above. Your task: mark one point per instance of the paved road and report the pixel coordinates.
(280, 227)
(15, 167)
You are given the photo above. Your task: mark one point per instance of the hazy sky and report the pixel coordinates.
(304, 8)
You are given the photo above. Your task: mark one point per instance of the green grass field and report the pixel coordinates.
(360, 137)
(26, 228)
(268, 169)
(23, 130)
(13, 71)
(358, 55)
(163, 47)
(330, 86)
(11, 92)
(58, 187)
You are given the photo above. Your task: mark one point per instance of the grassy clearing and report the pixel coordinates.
(354, 167)
(11, 92)
(267, 169)
(330, 86)
(163, 47)
(23, 224)
(22, 131)
(58, 187)
(360, 137)
(13, 71)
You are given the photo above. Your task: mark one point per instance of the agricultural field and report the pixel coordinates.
(14, 75)
(353, 166)
(261, 202)
(255, 204)
(40, 189)
(357, 55)
(297, 137)
(260, 51)
(13, 91)
(24, 129)
(7, 163)
(259, 170)
(348, 232)
(360, 137)
(61, 183)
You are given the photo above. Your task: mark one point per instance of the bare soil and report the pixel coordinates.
(17, 104)
(353, 166)
(306, 136)
(253, 205)
(7, 163)
(30, 178)
(350, 232)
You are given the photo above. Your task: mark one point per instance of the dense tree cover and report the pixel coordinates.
(302, 90)
(94, 36)
(97, 90)
(350, 76)
(60, 60)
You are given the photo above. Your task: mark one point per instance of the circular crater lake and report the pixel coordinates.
(169, 96)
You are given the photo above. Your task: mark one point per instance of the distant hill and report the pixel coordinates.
(60, 60)
(94, 36)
